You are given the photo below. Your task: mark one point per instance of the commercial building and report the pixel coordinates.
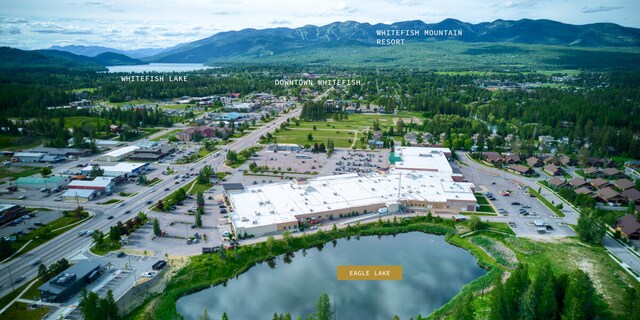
(39, 183)
(99, 184)
(125, 169)
(231, 116)
(79, 194)
(69, 282)
(268, 209)
(422, 159)
(152, 154)
(63, 152)
(28, 156)
(118, 154)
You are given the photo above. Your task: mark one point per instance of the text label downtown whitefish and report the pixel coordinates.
(390, 37)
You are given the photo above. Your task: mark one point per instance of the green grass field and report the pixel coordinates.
(15, 172)
(13, 143)
(339, 131)
(177, 106)
(131, 102)
(167, 135)
(70, 122)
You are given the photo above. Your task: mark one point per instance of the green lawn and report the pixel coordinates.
(21, 311)
(108, 247)
(77, 121)
(177, 106)
(131, 102)
(83, 89)
(15, 172)
(299, 136)
(167, 135)
(8, 142)
(241, 160)
(546, 202)
(18, 310)
(110, 201)
(194, 187)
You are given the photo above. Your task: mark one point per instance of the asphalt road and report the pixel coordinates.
(70, 243)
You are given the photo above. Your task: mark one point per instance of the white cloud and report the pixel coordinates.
(600, 9)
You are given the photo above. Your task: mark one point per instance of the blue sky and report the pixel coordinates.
(131, 24)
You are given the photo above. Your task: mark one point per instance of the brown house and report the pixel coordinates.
(583, 190)
(557, 182)
(578, 182)
(600, 183)
(629, 227)
(511, 158)
(492, 157)
(566, 161)
(520, 169)
(553, 170)
(592, 172)
(534, 162)
(612, 173)
(624, 184)
(609, 195)
(632, 195)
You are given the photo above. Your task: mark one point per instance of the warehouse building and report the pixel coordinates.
(123, 170)
(79, 195)
(28, 156)
(69, 282)
(39, 183)
(99, 184)
(118, 154)
(428, 184)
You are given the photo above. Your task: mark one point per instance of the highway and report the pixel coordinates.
(70, 244)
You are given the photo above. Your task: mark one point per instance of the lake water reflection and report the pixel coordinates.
(433, 272)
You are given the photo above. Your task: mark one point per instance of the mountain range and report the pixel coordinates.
(15, 58)
(273, 41)
(92, 51)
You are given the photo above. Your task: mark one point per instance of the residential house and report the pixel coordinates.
(609, 195)
(534, 162)
(592, 172)
(600, 183)
(632, 195)
(595, 162)
(578, 183)
(583, 190)
(492, 157)
(520, 169)
(566, 161)
(624, 184)
(511, 158)
(557, 182)
(553, 170)
(115, 128)
(613, 173)
(629, 227)
(204, 132)
(549, 160)
(545, 142)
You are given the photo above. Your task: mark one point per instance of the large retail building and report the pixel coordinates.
(419, 178)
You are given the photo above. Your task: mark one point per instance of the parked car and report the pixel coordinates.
(120, 254)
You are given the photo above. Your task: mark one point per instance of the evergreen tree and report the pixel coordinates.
(198, 221)
(224, 316)
(156, 228)
(323, 308)
(205, 315)
(590, 228)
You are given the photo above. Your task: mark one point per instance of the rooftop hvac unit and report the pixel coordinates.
(324, 202)
(272, 212)
(373, 189)
(261, 203)
(255, 221)
(245, 219)
(335, 193)
(258, 213)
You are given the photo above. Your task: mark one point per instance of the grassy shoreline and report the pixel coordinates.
(498, 252)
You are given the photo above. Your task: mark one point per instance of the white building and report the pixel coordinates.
(118, 154)
(422, 182)
(124, 169)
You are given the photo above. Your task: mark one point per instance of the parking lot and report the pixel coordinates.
(511, 204)
(29, 222)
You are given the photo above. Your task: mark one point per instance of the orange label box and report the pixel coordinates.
(350, 273)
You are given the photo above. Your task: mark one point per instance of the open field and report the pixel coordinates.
(131, 102)
(13, 143)
(167, 135)
(15, 172)
(70, 122)
(339, 131)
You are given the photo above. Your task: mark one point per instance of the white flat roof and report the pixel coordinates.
(120, 167)
(102, 182)
(122, 151)
(81, 193)
(280, 202)
(429, 159)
